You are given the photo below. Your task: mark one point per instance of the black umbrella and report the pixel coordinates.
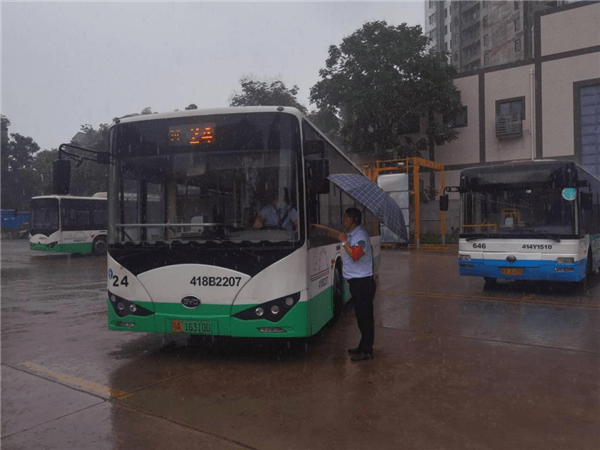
(368, 194)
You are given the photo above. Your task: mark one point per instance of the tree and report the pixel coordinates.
(264, 93)
(326, 121)
(18, 180)
(89, 177)
(42, 168)
(380, 82)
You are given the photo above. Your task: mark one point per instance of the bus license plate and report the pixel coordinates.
(192, 326)
(511, 271)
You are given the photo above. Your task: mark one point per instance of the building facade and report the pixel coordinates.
(543, 107)
(484, 33)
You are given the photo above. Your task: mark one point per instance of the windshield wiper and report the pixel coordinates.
(540, 233)
(481, 236)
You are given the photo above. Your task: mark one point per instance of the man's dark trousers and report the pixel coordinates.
(362, 291)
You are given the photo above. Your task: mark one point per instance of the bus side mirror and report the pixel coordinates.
(444, 202)
(61, 176)
(317, 171)
(586, 200)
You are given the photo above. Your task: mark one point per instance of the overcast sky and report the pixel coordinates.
(69, 64)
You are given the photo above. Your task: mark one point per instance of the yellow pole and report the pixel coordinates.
(417, 192)
(442, 213)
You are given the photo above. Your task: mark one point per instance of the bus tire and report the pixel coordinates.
(99, 246)
(589, 265)
(338, 291)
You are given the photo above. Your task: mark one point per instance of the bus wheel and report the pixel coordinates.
(589, 265)
(99, 246)
(338, 292)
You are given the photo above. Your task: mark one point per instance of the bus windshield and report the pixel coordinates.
(44, 216)
(206, 178)
(518, 211)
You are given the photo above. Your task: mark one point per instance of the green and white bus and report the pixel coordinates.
(68, 224)
(184, 254)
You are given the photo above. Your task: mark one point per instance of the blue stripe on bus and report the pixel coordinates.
(532, 270)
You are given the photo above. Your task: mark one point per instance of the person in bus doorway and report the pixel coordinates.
(358, 272)
(277, 215)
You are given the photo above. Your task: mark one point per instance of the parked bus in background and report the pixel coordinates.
(186, 253)
(68, 224)
(536, 220)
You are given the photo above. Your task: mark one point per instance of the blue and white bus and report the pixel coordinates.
(185, 254)
(536, 220)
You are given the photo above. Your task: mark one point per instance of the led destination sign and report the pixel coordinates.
(191, 134)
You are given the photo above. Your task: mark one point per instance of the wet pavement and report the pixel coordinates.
(458, 365)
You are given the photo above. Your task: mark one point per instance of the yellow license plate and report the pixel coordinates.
(511, 271)
(192, 326)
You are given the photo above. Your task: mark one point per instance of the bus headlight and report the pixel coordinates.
(272, 311)
(124, 307)
(464, 257)
(565, 260)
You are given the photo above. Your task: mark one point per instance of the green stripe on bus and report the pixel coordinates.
(85, 247)
(304, 319)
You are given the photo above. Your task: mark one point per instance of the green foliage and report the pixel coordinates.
(264, 93)
(18, 180)
(42, 167)
(326, 121)
(27, 172)
(90, 177)
(380, 82)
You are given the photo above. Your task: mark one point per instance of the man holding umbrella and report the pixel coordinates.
(358, 271)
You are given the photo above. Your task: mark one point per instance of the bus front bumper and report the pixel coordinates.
(523, 270)
(215, 320)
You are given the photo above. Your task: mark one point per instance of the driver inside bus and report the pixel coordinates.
(278, 214)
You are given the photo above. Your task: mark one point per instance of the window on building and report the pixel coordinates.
(518, 45)
(486, 40)
(445, 30)
(486, 59)
(517, 5)
(485, 21)
(432, 19)
(517, 24)
(589, 113)
(445, 13)
(484, 4)
(458, 118)
(510, 114)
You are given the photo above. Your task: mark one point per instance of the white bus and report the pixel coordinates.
(536, 220)
(68, 224)
(184, 254)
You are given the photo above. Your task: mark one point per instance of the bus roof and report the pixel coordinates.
(230, 110)
(515, 165)
(209, 112)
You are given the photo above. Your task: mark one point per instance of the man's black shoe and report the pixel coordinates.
(362, 356)
(354, 351)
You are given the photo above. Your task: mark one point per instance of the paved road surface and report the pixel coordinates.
(458, 366)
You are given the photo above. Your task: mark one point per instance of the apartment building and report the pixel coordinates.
(484, 33)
